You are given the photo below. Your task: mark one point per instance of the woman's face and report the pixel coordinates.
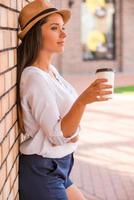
(53, 34)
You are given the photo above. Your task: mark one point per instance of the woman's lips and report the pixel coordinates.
(61, 43)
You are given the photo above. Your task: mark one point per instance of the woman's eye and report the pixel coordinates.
(54, 28)
(63, 28)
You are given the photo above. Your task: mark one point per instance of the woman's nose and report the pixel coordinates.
(63, 34)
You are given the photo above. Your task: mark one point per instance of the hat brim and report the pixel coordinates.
(66, 14)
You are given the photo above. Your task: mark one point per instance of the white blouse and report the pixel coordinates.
(45, 101)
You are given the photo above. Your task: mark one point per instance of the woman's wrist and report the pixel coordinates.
(80, 102)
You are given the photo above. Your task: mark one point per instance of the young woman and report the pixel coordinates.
(49, 109)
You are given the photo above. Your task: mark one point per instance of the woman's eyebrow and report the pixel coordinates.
(56, 24)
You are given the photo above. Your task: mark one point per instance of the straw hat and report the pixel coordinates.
(36, 10)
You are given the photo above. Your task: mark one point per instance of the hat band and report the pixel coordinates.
(41, 13)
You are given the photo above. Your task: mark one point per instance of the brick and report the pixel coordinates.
(7, 39)
(13, 175)
(0, 110)
(12, 97)
(5, 147)
(11, 196)
(9, 178)
(15, 150)
(2, 175)
(17, 131)
(5, 104)
(19, 5)
(7, 80)
(11, 18)
(2, 130)
(14, 114)
(3, 61)
(15, 57)
(0, 157)
(11, 58)
(15, 188)
(1, 85)
(5, 2)
(12, 136)
(9, 162)
(8, 121)
(14, 76)
(1, 40)
(13, 4)
(14, 38)
(6, 190)
(3, 17)
(17, 165)
(16, 25)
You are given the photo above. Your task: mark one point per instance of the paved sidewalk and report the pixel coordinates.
(104, 161)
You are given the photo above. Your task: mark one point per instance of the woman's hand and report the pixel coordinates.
(95, 92)
(71, 120)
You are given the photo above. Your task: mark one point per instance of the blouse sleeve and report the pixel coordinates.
(42, 102)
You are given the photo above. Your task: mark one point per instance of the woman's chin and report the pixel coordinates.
(60, 50)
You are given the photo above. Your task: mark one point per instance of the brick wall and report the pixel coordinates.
(9, 136)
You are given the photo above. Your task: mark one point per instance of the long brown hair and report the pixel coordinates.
(27, 53)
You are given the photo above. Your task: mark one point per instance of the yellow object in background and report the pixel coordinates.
(95, 38)
(94, 4)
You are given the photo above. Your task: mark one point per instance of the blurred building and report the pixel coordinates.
(100, 34)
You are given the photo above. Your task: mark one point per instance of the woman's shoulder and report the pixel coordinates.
(32, 71)
(33, 74)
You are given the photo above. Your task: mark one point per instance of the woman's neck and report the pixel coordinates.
(43, 61)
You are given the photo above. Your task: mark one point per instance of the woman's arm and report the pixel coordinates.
(71, 120)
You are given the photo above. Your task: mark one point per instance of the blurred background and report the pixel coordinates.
(100, 34)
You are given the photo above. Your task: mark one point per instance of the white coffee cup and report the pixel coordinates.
(107, 73)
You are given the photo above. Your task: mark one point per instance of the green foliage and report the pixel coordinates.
(125, 89)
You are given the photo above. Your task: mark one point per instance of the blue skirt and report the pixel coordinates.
(44, 178)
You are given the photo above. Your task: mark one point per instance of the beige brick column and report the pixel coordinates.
(9, 136)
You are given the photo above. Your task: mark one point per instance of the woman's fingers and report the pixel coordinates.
(100, 98)
(102, 92)
(102, 86)
(98, 81)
